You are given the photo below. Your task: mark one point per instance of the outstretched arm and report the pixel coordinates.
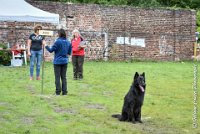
(29, 46)
(51, 49)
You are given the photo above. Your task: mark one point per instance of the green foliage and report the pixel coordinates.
(176, 3)
(195, 4)
(5, 55)
(198, 20)
(3, 46)
(148, 3)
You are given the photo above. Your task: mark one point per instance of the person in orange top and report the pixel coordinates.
(78, 53)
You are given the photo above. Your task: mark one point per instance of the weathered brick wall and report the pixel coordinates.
(154, 34)
(168, 34)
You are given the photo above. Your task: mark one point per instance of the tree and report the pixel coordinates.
(195, 4)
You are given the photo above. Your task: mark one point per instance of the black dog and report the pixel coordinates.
(133, 100)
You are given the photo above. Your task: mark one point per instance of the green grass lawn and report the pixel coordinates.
(87, 109)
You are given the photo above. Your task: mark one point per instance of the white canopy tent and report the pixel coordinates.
(21, 11)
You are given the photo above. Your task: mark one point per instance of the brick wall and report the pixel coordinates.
(121, 33)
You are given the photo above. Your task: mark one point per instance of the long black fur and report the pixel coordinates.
(133, 100)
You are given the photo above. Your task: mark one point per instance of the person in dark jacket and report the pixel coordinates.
(62, 49)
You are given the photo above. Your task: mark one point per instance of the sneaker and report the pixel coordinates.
(31, 78)
(75, 78)
(64, 93)
(56, 94)
(38, 78)
(80, 77)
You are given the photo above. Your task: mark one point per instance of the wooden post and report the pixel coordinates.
(195, 50)
(46, 33)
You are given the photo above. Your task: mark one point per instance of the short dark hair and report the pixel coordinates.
(61, 33)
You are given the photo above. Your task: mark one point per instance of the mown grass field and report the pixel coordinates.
(168, 106)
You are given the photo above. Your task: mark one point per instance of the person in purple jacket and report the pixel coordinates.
(62, 49)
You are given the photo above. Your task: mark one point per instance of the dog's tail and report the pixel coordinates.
(116, 116)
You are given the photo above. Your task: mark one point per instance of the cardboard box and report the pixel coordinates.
(16, 62)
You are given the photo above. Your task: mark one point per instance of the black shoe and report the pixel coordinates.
(57, 93)
(80, 77)
(64, 94)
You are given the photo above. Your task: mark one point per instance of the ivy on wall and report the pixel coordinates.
(5, 55)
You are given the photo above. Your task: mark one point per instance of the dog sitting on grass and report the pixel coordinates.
(133, 100)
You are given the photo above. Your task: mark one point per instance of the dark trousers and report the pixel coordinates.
(77, 62)
(60, 73)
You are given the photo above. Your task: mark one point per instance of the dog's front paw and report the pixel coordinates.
(121, 119)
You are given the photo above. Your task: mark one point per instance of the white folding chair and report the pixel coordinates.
(20, 55)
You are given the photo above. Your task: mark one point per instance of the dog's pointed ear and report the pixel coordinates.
(136, 75)
(143, 74)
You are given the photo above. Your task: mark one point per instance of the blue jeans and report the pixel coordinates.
(36, 56)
